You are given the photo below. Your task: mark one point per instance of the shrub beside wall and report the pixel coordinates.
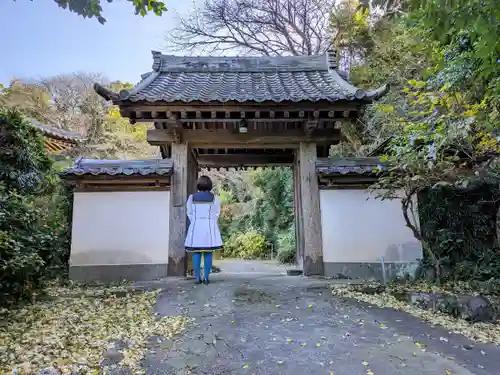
(460, 226)
(34, 208)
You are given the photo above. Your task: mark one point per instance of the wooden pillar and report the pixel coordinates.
(192, 179)
(178, 219)
(310, 207)
(297, 208)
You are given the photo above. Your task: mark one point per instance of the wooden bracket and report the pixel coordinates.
(175, 126)
(311, 125)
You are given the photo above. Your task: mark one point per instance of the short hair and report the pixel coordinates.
(204, 183)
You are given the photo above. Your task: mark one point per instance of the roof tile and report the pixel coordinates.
(160, 167)
(240, 79)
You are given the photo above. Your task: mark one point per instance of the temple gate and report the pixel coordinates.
(237, 112)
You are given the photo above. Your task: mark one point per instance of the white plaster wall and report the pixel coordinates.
(111, 228)
(355, 229)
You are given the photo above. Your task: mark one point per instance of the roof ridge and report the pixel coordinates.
(321, 80)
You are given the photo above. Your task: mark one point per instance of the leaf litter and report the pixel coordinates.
(480, 332)
(70, 332)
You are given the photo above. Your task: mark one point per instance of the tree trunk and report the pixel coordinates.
(405, 205)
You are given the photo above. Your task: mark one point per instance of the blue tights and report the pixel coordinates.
(207, 264)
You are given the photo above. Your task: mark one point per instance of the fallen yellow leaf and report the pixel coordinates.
(364, 363)
(74, 328)
(481, 332)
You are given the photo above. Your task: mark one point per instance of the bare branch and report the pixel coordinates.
(255, 27)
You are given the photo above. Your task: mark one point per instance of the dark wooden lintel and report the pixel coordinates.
(236, 160)
(223, 138)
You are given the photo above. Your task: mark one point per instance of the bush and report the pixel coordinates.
(247, 245)
(460, 227)
(286, 247)
(34, 229)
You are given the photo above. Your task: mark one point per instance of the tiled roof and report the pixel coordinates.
(56, 133)
(258, 79)
(160, 167)
(344, 166)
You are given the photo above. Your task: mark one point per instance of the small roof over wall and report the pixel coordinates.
(92, 167)
(349, 171)
(212, 79)
(119, 175)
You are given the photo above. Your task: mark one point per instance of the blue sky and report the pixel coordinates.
(40, 39)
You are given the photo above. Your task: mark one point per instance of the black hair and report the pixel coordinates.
(204, 183)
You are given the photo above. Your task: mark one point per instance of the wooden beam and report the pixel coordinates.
(221, 138)
(192, 177)
(236, 160)
(114, 188)
(148, 117)
(105, 178)
(239, 107)
(310, 207)
(297, 207)
(178, 220)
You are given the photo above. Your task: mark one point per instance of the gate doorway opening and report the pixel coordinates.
(257, 220)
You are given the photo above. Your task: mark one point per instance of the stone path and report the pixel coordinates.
(250, 324)
(239, 266)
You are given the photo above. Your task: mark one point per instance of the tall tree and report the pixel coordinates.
(270, 27)
(259, 27)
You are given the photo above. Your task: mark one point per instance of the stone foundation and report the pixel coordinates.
(114, 273)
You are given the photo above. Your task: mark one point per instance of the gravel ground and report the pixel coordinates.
(260, 324)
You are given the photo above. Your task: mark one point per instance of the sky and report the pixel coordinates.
(39, 39)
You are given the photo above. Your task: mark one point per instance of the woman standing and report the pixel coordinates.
(203, 236)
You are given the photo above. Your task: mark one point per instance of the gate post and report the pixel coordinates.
(191, 186)
(297, 209)
(310, 210)
(178, 219)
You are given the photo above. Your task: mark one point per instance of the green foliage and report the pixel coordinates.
(24, 164)
(93, 8)
(247, 245)
(262, 199)
(34, 214)
(273, 211)
(287, 251)
(460, 227)
(441, 60)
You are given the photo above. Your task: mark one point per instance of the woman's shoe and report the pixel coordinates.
(206, 282)
(197, 282)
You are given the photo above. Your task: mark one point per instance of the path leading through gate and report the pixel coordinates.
(271, 325)
(250, 267)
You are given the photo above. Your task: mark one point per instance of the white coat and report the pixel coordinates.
(203, 210)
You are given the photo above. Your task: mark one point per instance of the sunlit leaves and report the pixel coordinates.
(93, 8)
